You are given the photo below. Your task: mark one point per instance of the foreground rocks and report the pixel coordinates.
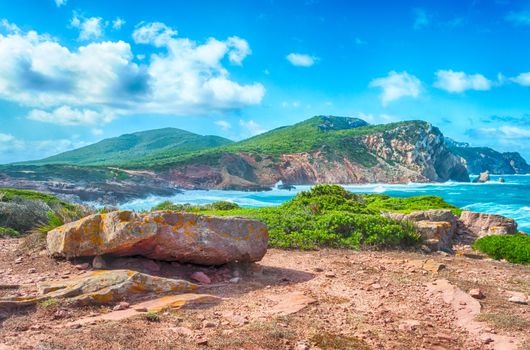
(440, 227)
(162, 235)
(102, 287)
(481, 224)
(437, 227)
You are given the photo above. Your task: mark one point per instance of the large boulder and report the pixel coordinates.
(482, 224)
(162, 235)
(436, 227)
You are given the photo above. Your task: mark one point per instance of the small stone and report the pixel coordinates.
(60, 314)
(202, 342)
(99, 263)
(235, 280)
(140, 309)
(318, 269)
(517, 299)
(476, 293)
(301, 345)
(426, 249)
(82, 267)
(32, 270)
(201, 277)
(209, 324)
(330, 275)
(487, 340)
(122, 305)
(18, 260)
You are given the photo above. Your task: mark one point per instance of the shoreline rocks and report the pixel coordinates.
(162, 235)
(482, 224)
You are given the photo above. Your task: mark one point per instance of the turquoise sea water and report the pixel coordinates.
(511, 198)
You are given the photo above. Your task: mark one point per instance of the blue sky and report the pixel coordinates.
(73, 72)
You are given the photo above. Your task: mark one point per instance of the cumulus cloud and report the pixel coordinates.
(155, 33)
(505, 132)
(13, 149)
(60, 3)
(397, 85)
(301, 60)
(68, 116)
(223, 124)
(251, 127)
(89, 28)
(522, 79)
(97, 82)
(118, 23)
(458, 82)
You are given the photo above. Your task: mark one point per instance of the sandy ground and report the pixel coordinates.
(328, 299)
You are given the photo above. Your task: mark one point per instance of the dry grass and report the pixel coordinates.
(339, 342)
(505, 321)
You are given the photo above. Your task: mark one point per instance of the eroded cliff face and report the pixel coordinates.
(412, 153)
(421, 149)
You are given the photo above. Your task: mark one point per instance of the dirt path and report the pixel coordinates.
(329, 299)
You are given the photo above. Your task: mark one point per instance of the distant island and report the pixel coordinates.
(323, 149)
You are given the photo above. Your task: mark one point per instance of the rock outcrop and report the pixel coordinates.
(437, 227)
(103, 287)
(480, 159)
(162, 235)
(483, 177)
(482, 224)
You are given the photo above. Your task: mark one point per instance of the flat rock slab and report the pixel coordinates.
(162, 235)
(288, 304)
(103, 287)
(466, 308)
(153, 306)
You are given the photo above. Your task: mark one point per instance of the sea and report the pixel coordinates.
(510, 198)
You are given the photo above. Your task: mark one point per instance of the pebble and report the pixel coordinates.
(82, 267)
(32, 270)
(476, 293)
(330, 275)
(301, 345)
(518, 300)
(200, 276)
(235, 280)
(122, 305)
(99, 263)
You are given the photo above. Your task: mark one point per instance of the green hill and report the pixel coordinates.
(131, 147)
(326, 133)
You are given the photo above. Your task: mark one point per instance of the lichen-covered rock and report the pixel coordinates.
(103, 287)
(162, 235)
(437, 227)
(482, 224)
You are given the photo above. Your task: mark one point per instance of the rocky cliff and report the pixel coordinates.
(481, 159)
(323, 149)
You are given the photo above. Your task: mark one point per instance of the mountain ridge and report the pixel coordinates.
(322, 149)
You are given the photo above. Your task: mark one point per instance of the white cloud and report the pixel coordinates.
(251, 127)
(519, 18)
(421, 19)
(239, 49)
(301, 60)
(9, 27)
(522, 79)
(67, 116)
(89, 28)
(60, 3)
(458, 82)
(155, 33)
(397, 85)
(100, 80)
(506, 132)
(118, 23)
(97, 132)
(223, 124)
(6, 137)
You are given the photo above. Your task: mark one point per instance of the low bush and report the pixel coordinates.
(8, 232)
(513, 248)
(221, 205)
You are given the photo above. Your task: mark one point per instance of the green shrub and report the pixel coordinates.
(221, 205)
(327, 216)
(383, 202)
(8, 232)
(513, 248)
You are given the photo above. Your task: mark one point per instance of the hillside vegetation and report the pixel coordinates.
(329, 216)
(22, 211)
(147, 145)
